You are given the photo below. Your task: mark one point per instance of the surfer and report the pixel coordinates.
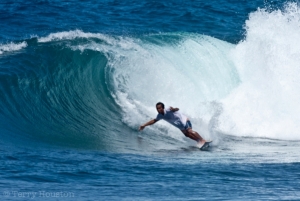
(177, 119)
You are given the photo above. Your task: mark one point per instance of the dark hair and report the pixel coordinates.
(160, 103)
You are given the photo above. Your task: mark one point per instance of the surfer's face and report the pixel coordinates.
(160, 109)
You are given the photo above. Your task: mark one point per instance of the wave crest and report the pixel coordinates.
(10, 47)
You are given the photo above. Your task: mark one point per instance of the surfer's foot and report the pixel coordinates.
(200, 143)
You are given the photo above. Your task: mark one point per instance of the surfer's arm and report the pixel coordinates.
(153, 121)
(174, 109)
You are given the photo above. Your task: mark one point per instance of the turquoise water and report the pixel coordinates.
(78, 78)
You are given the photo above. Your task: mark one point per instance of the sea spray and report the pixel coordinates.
(266, 104)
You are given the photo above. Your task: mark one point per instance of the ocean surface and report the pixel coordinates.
(77, 79)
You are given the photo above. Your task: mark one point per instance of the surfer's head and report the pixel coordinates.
(160, 107)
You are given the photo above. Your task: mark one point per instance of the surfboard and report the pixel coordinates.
(205, 146)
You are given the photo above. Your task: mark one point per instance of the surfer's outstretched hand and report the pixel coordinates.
(141, 128)
(147, 124)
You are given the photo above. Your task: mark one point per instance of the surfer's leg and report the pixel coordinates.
(188, 132)
(196, 136)
(193, 135)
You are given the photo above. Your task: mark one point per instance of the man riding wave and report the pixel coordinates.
(177, 119)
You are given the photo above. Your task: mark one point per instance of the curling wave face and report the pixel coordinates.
(72, 87)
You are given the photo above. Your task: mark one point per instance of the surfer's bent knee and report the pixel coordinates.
(185, 133)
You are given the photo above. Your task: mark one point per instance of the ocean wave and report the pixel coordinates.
(107, 85)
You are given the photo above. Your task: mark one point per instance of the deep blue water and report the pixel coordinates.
(77, 78)
(21, 19)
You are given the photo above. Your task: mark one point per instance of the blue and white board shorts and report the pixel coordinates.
(188, 125)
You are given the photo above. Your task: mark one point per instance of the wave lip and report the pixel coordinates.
(10, 47)
(70, 35)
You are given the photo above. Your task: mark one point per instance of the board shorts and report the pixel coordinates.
(188, 125)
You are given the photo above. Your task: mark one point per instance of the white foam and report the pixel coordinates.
(266, 104)
(69, 35)
(10, 47)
